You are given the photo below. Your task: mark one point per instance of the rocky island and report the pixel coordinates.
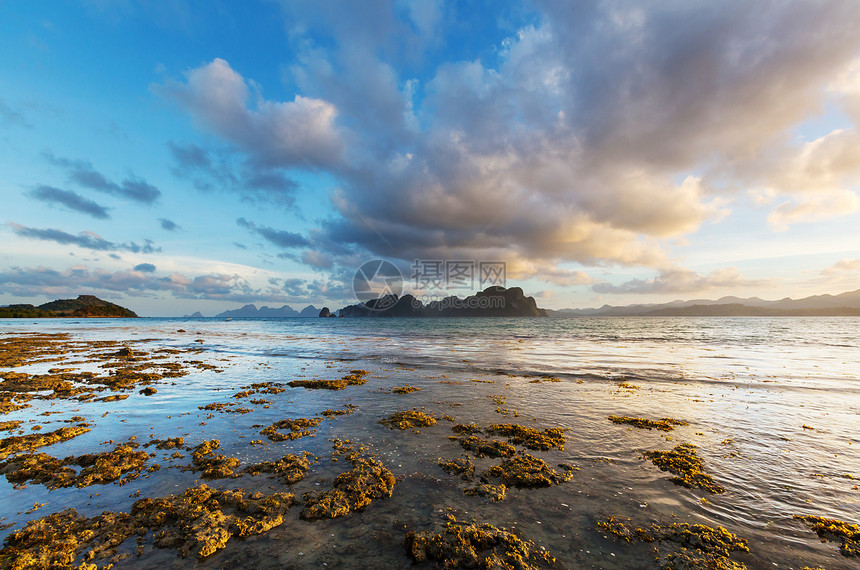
(85, 306)
(491, 302)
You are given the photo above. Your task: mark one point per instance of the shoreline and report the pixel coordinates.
(597, 450)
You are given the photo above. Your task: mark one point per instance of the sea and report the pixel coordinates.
(773, 407)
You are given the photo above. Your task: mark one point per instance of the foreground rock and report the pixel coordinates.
(682, 545)
(199, 522)
(351, 491)
(472, 545)
(686, 465)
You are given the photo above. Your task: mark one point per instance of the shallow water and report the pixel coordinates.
(747, 386)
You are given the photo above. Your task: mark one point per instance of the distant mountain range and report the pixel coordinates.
(251, 312)
(84, 306)
(844, 304)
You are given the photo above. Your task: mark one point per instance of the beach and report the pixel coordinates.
(528, 425)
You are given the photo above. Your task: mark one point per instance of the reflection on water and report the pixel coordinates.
(747, 387)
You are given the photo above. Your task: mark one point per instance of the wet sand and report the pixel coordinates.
(580, 490)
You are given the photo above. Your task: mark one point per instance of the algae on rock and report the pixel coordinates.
(473, 545)
(299, 427)
(665, 424)
(408, 419)
(524, 470)
(20, 443)
(351, 491)
(847, 534)
(541, 440)
(683, 545)
(686, 465)
(211, 465)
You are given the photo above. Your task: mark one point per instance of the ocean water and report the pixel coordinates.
(773, 406)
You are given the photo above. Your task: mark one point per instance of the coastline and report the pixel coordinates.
(608, 475)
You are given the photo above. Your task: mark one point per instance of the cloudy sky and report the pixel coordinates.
(196, 156)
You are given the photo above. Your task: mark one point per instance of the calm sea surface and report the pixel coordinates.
(773, 405)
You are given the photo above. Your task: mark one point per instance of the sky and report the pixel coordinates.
(182, 156)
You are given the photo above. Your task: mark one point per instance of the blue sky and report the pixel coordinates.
(196, 156)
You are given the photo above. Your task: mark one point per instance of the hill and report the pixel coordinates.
(85, 306)
(844, 304)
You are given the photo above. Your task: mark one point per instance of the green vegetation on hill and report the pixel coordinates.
(83, 307)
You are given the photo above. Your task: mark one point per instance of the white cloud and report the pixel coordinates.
(680, 280)
(843, 266)
(813, 207)
(299, 133)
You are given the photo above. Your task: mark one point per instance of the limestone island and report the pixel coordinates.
(493, 301)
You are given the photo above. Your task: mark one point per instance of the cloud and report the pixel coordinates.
(593, 134)
(813, 207)
(810, 182)
(843, 266)
(86, 240)
(70, 200)
(301, 132)
(317, 259)
(169, 225)
(82, 173)
(145, 267)
(280, 238)
(211, 170)
(42, 281)
(679, 280)
(11, 117)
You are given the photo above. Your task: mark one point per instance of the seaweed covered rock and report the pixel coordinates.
(541, 440)
(11, 425)
(467, 429)
(56, 540)
(682, 545)
(665, 424)
(351, 491)
(847, 534)
(472, 545)
(167, 443)
(29, 348)
(492, 492)
(354, 378)
(123, 463)
(524, 470)
(299, 427)
(20, 443)
(210, 464)
(289, 469)
(462, 467)
(408, 419)
(201, 520)
(686, 465)
(483, 447)
(330, 413)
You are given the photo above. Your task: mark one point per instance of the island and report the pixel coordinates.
(85, 306)
(493, 301)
